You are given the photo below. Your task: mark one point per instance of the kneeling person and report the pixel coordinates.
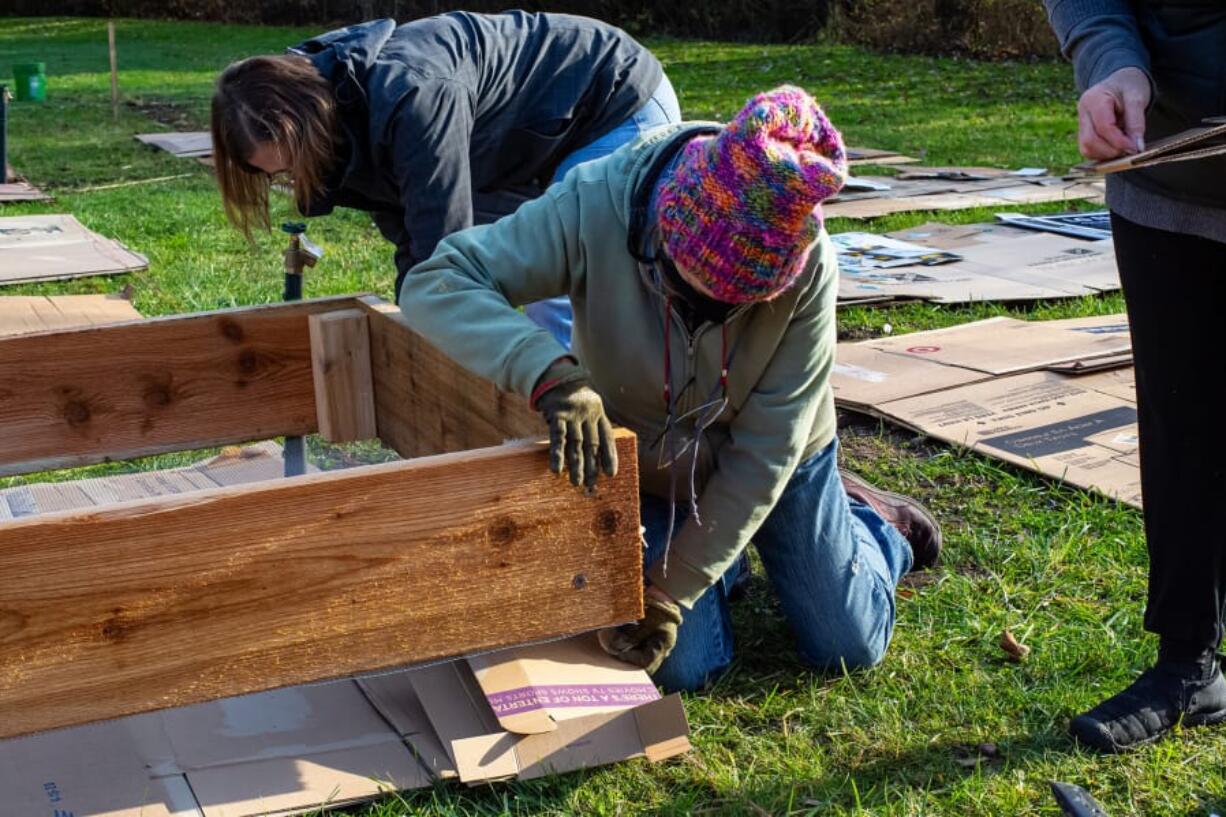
(704, 292)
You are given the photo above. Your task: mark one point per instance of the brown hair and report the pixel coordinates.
(281, 100)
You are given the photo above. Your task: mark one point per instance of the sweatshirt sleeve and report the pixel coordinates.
(429, 144)
(463, 298)
(1099, 36)
(766, 441)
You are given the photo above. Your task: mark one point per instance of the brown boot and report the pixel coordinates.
(911, 518)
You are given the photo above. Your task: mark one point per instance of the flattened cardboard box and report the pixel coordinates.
(58, 247)
(1056, 397)
(20, 314)
(917, 194)
(998, 263)
(531, 711)
(298, 749)
(560, 707)
(876, 156)
(182, 144)
(21, 191)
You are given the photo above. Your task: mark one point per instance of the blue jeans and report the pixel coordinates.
(555, 314)
(833, 563)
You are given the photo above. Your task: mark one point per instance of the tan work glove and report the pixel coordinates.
(580, 433)
(648, 641)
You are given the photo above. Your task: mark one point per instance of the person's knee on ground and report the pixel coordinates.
(849, 642)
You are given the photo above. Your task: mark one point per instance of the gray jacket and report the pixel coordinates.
(1181, 46)
(439, 112)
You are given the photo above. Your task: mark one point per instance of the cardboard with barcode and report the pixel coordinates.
(1055, 397)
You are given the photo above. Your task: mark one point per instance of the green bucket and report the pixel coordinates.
(31, 81)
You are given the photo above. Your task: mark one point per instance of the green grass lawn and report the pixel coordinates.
(1062, 569)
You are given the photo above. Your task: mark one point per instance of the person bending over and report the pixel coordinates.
(704, 291)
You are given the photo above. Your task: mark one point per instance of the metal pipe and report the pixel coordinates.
(295, 263)
(4, 134)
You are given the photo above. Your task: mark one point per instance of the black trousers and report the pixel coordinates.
(1175, 286)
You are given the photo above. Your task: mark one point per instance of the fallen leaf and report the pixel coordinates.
(1013, 648)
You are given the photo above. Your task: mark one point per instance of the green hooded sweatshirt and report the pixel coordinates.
(573, 241)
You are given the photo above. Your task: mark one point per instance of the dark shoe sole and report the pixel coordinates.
(1099, 739)
(920, 506)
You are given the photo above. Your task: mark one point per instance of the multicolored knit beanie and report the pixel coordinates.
(741, 210)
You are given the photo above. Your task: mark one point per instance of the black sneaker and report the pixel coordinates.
(1168, 694)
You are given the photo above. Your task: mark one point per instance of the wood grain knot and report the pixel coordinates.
(248, 362)
(159, 393)
(608, 522)
(76, 412)
(231, 330)
(115, 628)
(11, 622)
(503, 532)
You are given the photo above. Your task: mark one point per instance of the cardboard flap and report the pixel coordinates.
(393, 696)
(663, 728)
(581, 743)
(486, 757)
(1192, 143)
(530, 689)
(453, 703)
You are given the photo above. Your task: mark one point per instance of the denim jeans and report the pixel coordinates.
(555, 314)
(832, 561)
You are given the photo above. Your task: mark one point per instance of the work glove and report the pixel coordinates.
(580, 434)
(647, 642)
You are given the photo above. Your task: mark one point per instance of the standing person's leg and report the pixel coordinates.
(834, 564)
(1175, 288)
(661, 109)
(704, 639)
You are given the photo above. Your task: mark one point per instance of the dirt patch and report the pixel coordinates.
(853, 333)
(173, 115)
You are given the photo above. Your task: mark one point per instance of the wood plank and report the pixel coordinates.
(175, 600)
(426, 403)
(340, 362)
(87, 395)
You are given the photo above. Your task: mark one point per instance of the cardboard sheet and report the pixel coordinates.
(235, 466)
(1194, 143)
(1094, 225)
(21, 191)
(999, 346)
(946, 193)
(1056, 397)
(875, 156)
(995, 263)
(58, 247)
(184, 145)
(20, 315)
